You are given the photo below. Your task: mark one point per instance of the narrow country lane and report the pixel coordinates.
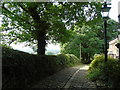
(73, 77)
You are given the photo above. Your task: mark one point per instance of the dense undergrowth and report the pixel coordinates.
(105, 74)
(23, 70)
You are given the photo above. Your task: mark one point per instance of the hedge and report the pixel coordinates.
(105, 74)
(23, 70)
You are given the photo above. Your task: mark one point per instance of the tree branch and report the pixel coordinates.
(23, 7)
(15, 15)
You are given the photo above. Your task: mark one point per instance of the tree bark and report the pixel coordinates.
(41, 45)
(40, 32)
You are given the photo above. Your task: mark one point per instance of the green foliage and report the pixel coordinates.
(97, 60)
(91, 38)
(67, 60)
(30, 21)
(90, 44)
(94, 74)
(4, 45)
(23, 70)
(113, 27)
(105, 73)
(100, 59)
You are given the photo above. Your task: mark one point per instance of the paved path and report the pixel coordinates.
(73, 77)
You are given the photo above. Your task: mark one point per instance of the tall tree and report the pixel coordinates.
(90, 44)
(91, 38)
(112, 31)
(37, 22)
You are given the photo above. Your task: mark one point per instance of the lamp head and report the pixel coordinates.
(105, 10)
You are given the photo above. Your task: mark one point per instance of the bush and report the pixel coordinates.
(104, 73)
(99, 59)
(4, 45)
(23, 70)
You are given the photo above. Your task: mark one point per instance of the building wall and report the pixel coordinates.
(113, 50)
(119, 11)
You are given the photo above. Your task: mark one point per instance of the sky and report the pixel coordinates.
(113, 15)
(114, 10)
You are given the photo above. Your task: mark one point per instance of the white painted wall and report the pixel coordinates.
(113, 49)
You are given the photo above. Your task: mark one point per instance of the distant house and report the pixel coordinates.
(113, 51)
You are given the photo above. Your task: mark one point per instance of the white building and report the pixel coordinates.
(113, 51)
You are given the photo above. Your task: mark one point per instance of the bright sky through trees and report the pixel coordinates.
(114, 10)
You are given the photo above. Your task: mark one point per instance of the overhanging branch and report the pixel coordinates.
(15, 15)
(23, 7)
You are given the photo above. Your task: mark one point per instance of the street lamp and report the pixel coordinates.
(105, 14)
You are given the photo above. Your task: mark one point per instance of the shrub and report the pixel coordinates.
(99, 59)
(72, 60)
(105, 73)
(4, 45)
(23, 70)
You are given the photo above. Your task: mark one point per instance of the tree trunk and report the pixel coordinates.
(41, 45)
(40, 29)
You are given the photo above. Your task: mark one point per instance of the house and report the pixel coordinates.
(113, 51)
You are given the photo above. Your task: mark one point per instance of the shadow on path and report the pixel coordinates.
(73, 77)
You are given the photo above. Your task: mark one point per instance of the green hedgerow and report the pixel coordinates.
(24, 70)
(105, 73)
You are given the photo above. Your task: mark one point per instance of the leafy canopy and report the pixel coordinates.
(57, 18)
(91, 39)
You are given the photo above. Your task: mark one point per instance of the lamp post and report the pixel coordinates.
(105, 14)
